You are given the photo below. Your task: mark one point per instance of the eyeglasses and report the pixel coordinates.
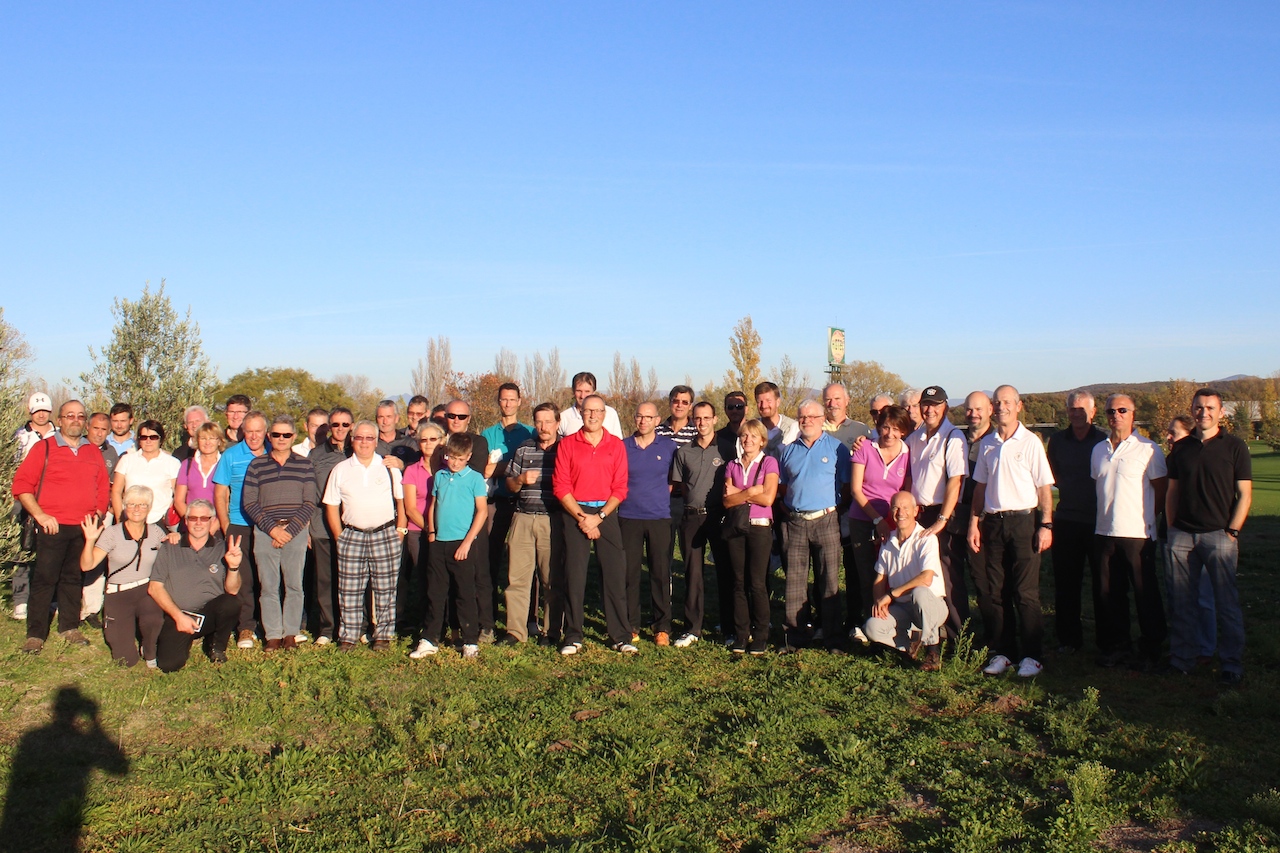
(199, 519)
(364, 438)
(593, 411)
(142, 437)
(282, 435)
(137, 506)
(735, 407)
(428, 439)
(346, 425)
(454, 416)
(1119, 411)
(810, 417)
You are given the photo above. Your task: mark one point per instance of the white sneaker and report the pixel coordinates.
(19, 612)
(301, 638)
(685, 641)
(997, 665)
(151, 664)
(425, 647)
(470, 651)
(322, 640)
(856, 634)
(364, 639)
(626, 649)
(570, 649)
(1029, 668)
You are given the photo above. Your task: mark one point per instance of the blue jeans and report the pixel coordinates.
(1217, 553)
(273, 563)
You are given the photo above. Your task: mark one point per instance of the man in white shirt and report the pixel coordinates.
(782, 429)
(1013, 481)
(584, 385)
(909, 594)
(939, 465)
(317, 419)
(1131, 478)
(369, 528)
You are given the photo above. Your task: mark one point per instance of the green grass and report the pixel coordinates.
(673, 750)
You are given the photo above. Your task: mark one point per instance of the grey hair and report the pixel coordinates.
(1082, 394)
(142, 492)
(904, 399)
(201, 502)
(285, 419)
(808, 401)
(204, 413)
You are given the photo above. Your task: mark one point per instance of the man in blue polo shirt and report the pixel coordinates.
(814, 481)
(645, 517)
(228, 482)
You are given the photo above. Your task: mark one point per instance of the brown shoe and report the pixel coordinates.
(33, 645)
(932, 658)
(74, 637)
(381, 645)
(662, 638)
(344, 646)
(913, 649)
(272, 645)
(290, 642)
(244, 640)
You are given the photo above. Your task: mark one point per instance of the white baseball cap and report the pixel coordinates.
(39, 403)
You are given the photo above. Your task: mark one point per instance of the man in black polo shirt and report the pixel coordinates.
(1210, 490)
(1070, 451)
(735, 409)
(195, 583)
(699, 469)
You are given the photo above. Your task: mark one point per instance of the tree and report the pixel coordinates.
(793, 386)
(864, 379)
(286, 390)
(480, 391)
(433, 375)
(155, 361)
(1269, 422)
(364, 398)
(1160, 406)
(15, 356)
(744, 352)
(507, 365)
(545, 380)
(628, 388)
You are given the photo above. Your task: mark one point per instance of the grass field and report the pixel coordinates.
(672, 750)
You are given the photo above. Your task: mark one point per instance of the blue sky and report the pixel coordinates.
(1043, 194)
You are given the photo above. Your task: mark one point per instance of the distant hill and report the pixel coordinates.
(1100, 389)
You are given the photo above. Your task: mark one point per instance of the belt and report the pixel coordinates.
(1008, 513)
(592, 504)
(390, 523)
(532, 512)
(762, 522)
(810, 516)
(121, 587)
(695, 510)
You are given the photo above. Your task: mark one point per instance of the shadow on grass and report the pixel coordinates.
(49, 776)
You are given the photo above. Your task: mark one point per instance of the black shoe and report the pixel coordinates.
(217, 656)
(1230, 679)
(787, 649)
(758, 647)
(548, 642)
(1110, 660)
(94, 621)
(508, 640)
(738, 649)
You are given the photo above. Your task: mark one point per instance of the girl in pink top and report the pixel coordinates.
(881, 468)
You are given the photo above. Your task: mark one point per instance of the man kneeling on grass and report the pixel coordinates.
(195, 583)
(909, 603)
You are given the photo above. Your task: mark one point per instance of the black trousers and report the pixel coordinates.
(951, 554)
(749, 557)
(613, 572)
(1073, 546)
(697, 533)
(221, 616)
(56, 572)
(444, 571)
(501, 511)
(411, 583)
(1124, 563)
(248, 594)
(656, 533)
(326, 591)
(1011, 564)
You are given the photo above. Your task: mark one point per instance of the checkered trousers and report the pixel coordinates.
(819, 538)
(367, 560)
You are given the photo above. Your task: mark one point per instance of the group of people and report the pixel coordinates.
(434, 529)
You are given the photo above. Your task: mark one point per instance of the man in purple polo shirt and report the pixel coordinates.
(645, 517)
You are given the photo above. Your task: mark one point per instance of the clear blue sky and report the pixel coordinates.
(1039, 193)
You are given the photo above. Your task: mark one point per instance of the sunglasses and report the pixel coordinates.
(142, 437)
(346, 425)
(1120, 411)
(199, 519)
(454, 416)
(282, 435)
(735, 407)
(364, 438)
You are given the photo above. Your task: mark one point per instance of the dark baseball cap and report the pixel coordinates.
(933, 394)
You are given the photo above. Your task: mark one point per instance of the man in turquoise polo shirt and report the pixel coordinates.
(503, 438)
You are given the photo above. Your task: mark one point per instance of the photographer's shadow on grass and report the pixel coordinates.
(49, 776)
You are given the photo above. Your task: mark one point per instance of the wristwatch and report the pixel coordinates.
(1234, 532)
(1047, 525)
(602, 515)
(403, 531)
(877, 519)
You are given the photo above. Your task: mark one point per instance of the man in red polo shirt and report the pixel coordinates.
(590, 481)
(62, 480)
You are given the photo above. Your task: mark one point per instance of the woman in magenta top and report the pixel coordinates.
(417, 486)
(752, 480)
(195, 475)
(881, 468)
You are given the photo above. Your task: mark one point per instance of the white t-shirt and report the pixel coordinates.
(1013, 470)
(935, 460)
(1124, 476)
(364, 492)
(157, 474)
(899, 562)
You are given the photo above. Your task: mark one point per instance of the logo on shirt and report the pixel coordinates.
(715, 463)
(213, 568)
(824, 460)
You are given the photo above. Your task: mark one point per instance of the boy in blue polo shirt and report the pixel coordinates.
(457, 515)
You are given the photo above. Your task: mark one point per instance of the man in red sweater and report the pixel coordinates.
(590, 481)
(62, 480)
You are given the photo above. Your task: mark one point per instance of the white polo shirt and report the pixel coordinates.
(365, 492)
(1123, 477)
(157, 474)
(899, 562)
(1013, 470)
(935, 460)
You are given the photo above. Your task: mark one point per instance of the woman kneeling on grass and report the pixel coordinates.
(130, 549)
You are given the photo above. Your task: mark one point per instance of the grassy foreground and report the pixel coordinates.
(673, 750)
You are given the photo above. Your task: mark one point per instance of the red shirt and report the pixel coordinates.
(75, 483)
(591, 472)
